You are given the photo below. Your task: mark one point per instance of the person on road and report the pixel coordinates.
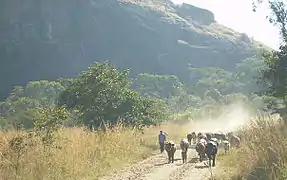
(161, 140)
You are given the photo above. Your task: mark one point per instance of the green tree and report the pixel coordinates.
(183, 102)
(35, 94)
(47, 121)
(274, 78)
(3, 123)
(247, 73)
(211, 79)
(160, 86)
(102, 95)
(45, 92)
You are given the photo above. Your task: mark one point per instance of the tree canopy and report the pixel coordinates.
(103, 95)
(274, 77)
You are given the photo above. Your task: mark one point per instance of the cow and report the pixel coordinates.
(184, 148)
(189, 137)
(215, 140)
(229, 134)
(234, 141)
(220, 136)
(200, 149)
(194, 137)
(226, 146)
(211, 152)
(208, 136)
(199, 135)
(170, 148)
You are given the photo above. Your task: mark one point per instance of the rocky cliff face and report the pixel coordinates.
(192, 13)
(42, 39)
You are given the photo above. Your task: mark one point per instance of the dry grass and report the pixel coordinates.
(77, 153)
(263, 154)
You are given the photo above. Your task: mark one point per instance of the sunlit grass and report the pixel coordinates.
(263, 154)
(78, 153)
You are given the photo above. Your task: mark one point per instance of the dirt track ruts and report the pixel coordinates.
(157, 168)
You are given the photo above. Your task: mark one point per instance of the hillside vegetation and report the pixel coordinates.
(49, 121)
(263, 151)
(70, 117)
(48, 40)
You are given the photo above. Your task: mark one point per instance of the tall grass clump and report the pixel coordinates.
(263, 152)
(76, 153)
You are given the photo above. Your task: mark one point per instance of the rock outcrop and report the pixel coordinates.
(42, 39)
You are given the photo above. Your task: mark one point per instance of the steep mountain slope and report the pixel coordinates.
(42, 39)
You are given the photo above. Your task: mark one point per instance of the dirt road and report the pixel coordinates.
(157, 168)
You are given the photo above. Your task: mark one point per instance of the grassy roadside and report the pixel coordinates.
(81, 154)
(78, 153)
(263, 153)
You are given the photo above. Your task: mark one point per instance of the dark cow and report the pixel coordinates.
(211, 152)
(170, 148)
(200, 149)
(215, 140)
(189, 138)
(184, 148)
(199, 135)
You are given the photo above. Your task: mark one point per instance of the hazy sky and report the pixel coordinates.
(238, 15)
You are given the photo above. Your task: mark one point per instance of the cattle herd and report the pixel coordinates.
(206, 145)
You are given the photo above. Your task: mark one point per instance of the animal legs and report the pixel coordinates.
(213, 161)
(209, 162)
(202, 156)
(184, 157)
(169, 156)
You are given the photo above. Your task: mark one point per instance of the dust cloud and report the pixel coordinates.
(231, 118)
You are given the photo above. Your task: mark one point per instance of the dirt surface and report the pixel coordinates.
(157, 168)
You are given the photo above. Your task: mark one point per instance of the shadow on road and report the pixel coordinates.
(161, 164)
(201, 166)
(193, 160)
